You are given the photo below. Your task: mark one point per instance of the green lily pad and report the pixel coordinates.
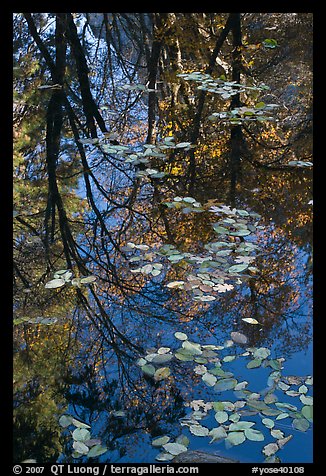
(96, 450)
(254, 363)
(307, 412)
(254, 435)
(81, 434)
(162, 373)
(225, 384)
(199, 430)
(235, 438)
(160, 441)
(221, 416)
(217, 434)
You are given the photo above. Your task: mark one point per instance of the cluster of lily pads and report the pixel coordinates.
(243, 114)
(64, 276)
(83, 444)
(136, 87)
(143, 157)
(36, 320)
(224, 260)
(234, 426)
(226, 89)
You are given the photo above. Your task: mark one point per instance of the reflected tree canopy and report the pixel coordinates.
(162, 184)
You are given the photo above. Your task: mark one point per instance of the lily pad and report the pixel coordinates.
(268, 422)
(96, 450)
(217, 434)
(234, 438)
(209, 379)
(80, 447)
(192, 347)
(254, 435)
(160, 441)
(164, 457)
(148, 369)
(225, 384)
(239, 338)
(199, 430)
(81, 434)
(174, 448)
(180, 336)
(250, 320)
(162, 373)
(254, 363)
(55, 283)
(241, 425)
(307, 412)
(270, 449)
(221, 417)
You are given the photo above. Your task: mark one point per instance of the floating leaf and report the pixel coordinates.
(307, 412)
(229, 358)
(199, 430)
(239, 338)
(303, 389)
(81, 434)
(309, 381)
(180, 336)
(209, 379)
(306, 400)
(80, 447)
(254, 363)
(175, 284)
(221, 417)
(283, 386)
(261, 353)
(270, 398)
(241, 385)
(160, 441)
(96, 450)
(241, 425)
(162, 373)
(268, 422)
(288, 406)
(55, 283)
(235, 438)
(281, 416)
(281, 442)
(254, 435)
(163, 350)
(119, 413)
(225, 384)
(237, 268)
(250, 320)
(162, 358)
(79, 424)
(270, 449)
(278, 434)
(183, 440)
(65, 421)
(184, 356)
(192, 347)
(200, 369)
(217, 434)
(148, 369)
(141, 362)
(174, 448)
(88, 279)
(164, 457)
